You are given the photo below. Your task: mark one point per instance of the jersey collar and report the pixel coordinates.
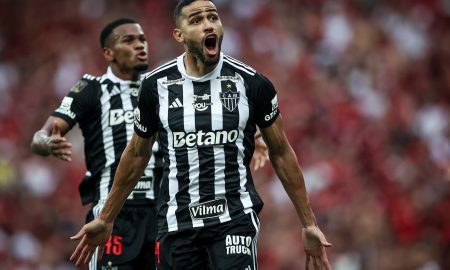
(213, 74)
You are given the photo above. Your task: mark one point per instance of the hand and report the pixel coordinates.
(58, 146)
(94, 234)
(314, 243)
(261, 154)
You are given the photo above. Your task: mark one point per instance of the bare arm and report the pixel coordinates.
(131, 167)
(286, 166)
(132, 164)
(49, 139)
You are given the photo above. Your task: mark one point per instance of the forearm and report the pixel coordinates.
(131, 167)
(40, 143)
(291, 176)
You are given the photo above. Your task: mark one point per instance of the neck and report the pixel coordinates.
(128, 75)
(195, 67)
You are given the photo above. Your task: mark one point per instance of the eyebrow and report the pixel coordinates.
(195, 13)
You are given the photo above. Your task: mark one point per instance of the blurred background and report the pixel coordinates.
(363, 86)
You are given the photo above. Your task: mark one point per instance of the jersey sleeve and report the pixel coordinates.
(145, 116)
(265, 100)
(76, 103)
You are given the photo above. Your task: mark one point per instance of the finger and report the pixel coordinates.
(84, 255)
(263, 161)
(307, 262)
(77, 252)
(56, 131)
(79, 235)
(89, 256)
(325, 260)
(257, 164)
(101, 250)
(325, 243)
(316, 263)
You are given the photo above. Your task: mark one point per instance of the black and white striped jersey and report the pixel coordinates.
(103, 106)
(206, 129)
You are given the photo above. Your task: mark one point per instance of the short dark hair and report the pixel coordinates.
(107, 30)
(181, 4)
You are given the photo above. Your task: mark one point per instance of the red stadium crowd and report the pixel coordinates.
(363, 86)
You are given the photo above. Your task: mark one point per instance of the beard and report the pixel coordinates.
(196, 49)
(140, 67)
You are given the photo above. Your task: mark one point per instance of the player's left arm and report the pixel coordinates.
(285, 163)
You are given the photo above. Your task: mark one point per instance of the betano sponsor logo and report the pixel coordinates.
(201, 138)
(118, 116)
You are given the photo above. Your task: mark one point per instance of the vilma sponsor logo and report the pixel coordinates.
(201, 138)
(237, 244)
(209, 209)
(146, 183)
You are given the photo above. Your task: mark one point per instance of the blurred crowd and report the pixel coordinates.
(364, 90)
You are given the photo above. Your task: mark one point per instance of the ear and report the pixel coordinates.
(177, 35)
(108, 54)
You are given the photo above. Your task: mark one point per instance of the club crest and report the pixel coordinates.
(229, 99)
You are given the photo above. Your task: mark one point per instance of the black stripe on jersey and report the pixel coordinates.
(202, 92)
(119, 133)
(232, 177)
(176, 123)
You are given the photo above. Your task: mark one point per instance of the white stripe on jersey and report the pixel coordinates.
(194, 165)
(219, 153)
(226, 60)
(108, 143)
(243, 117)
(161, 68)
(173, 185)
(243, 65)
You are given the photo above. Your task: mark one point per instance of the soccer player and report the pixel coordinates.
(205, 107)
(103, 107)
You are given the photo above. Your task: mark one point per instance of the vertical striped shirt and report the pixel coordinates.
(206, 129)
(104, 109)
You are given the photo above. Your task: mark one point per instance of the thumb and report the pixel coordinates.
(56, 131)
(325, 243)
(79, 235)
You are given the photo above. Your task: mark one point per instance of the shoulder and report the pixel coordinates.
(88, 85)
(161, 70)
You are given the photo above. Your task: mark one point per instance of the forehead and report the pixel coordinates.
(197, 7)
(128, 29)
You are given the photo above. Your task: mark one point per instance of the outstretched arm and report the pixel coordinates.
(49, 139)
(131, 167)
(286, 166)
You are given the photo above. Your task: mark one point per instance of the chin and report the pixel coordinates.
(141, 67)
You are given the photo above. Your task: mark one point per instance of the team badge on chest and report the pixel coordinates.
(230, 99)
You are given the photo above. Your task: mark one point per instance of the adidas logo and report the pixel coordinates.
(176, 104)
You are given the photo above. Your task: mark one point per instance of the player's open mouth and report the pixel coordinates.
(142, 56)
(211, 45)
